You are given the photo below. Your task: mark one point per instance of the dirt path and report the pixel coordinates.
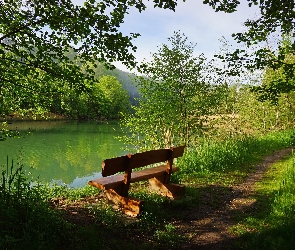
(207, 227)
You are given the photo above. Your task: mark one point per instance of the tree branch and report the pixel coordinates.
(19, 29)
(2, 79)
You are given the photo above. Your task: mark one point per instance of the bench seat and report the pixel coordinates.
(111, 182)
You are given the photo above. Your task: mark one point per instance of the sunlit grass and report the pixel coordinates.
(228, 162)
(273, 226)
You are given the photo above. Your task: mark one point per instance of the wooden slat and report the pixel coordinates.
(114, 165)
(120, 164)
(116, 180)
(149, 157)
(107, 182)
(148, 173)
(178, 151)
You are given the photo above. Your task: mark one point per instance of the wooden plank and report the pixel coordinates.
(115, 165)
(120, 164)
(149, 157)
(148, 173)
(178, 151)
(106, 183)
(112, 182)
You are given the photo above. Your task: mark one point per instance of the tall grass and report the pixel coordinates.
(25, 217)
(231, 154)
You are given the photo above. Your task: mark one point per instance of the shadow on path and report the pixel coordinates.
(207, 226)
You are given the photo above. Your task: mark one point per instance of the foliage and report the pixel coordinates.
(116, 98)
(126, 79)
(276, 19)
(63, 42)
(105, 99)
(264, 116)
(5, 132)
(97, 102)
(35, 35)
(175, 97)
(240, 112)
(49, 49)
(279, 78)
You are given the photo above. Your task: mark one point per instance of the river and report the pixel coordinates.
(63, 152)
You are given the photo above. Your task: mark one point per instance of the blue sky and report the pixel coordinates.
(199, 22)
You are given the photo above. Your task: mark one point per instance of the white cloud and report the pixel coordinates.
(199, 22)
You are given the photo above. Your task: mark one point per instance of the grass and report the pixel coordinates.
(27, 217)
(273, 226)
(216, 162)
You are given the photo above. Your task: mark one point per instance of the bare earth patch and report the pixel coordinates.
(207, 226)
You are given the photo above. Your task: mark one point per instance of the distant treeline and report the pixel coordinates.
(111, 94)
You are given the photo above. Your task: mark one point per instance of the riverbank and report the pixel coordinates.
(12, 117)
(58, 217)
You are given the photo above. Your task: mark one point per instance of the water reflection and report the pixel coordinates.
(66, 152)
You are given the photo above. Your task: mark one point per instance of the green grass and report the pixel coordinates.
(28, 220)
(273, 226)
(218, 161)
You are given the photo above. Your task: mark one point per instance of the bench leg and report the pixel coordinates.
(130, 206)
(166, 189)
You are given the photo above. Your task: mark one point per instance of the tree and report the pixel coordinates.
(257, 116)
(276, 19)
(57, 39)
(175, 97)
(37, 36)
(104, 100)
(279, 79)
(115, 97)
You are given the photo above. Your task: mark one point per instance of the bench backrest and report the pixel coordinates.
(128, 162)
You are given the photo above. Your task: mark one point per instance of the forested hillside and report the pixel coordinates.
(125, 78)
(105, 97)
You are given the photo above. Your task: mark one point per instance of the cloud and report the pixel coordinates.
(199, 22)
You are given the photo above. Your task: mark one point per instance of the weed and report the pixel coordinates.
(231, 155)
(169, 236)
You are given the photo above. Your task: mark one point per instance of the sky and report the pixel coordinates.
(199, 22)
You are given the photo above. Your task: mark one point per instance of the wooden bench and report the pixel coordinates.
(117, 186)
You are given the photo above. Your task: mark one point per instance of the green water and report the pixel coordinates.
(68, 153)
